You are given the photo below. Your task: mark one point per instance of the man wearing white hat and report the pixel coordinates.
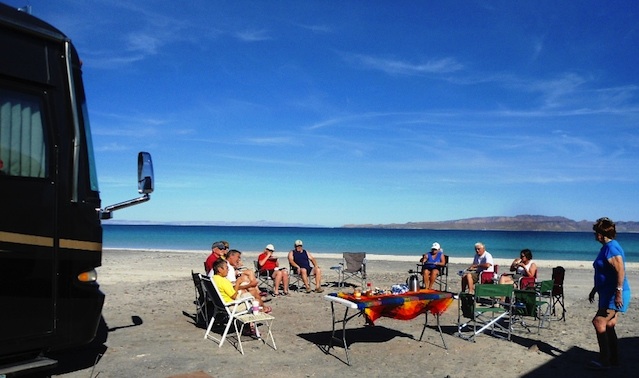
(269, 265)
(301, 260)
(433, 262)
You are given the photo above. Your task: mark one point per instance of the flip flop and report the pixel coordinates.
(267, 309)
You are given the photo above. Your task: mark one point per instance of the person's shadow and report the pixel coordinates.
(86, 356)
(573, 362)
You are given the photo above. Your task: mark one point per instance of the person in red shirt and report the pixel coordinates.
(218, 249)
(268, 263)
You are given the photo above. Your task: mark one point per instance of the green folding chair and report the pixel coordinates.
(544, 290)
(486, 310)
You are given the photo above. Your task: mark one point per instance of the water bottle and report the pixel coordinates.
(255, 307)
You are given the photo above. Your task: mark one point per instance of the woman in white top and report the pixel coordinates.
(524, 266)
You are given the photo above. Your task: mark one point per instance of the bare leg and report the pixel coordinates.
(470, 283)
(604, 320)
(304, 274)
(318, 279)
(433, 277)
(426, 277)
(506, 279)
(285, 280)
(277, 279)
(467, 281)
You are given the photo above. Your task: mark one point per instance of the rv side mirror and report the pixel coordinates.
(145, 173)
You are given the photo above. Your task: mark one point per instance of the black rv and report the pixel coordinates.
(50, 211)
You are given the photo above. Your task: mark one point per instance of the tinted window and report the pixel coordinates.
(22, 138)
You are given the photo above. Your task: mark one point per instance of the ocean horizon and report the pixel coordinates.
(571, 246)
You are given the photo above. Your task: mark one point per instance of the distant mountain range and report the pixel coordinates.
(516, 223)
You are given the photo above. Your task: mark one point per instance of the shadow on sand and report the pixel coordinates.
(377, 334)
(88, 355)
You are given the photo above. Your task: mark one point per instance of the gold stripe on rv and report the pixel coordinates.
(45, 241)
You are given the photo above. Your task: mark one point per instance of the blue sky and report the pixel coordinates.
(337, 112)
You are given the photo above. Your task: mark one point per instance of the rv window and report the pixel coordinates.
(22, 145)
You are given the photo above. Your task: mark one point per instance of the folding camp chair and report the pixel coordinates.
(201, 303)
(544, 302)
(526, 283)
(235, 313)
(353, 266)
(524, 305)
(264, 277)
(442, 277)
(487, 277)
(558, 274)
(485, 310)
(295, 278)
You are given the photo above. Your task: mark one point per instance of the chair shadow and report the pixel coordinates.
(543, 347)
(89, 355)
(375, 334)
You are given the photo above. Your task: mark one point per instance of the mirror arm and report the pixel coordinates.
(107, 212)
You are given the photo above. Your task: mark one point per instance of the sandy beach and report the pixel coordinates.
(149, 329)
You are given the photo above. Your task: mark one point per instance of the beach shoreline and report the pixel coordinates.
(568, 264)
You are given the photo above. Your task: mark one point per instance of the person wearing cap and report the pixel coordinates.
(268, 264)
(432, 263)
(218, 249)
(300, 261)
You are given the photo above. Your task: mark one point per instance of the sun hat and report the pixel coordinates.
(270, 247)
(436, 246)
(298, 242)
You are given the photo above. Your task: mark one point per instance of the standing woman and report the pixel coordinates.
(614, 292)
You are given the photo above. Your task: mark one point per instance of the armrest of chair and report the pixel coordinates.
(237, 302)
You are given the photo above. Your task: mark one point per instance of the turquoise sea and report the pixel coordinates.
(501, 244)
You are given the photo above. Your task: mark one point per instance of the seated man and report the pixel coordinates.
(268, 263)
(301, 260)
(247, 278)
(432, 263)
(522, 267)
(218, 250)
(229, 291)
(483, 261)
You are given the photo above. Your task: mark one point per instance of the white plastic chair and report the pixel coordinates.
(238, 313)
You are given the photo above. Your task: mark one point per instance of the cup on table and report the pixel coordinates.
(357, 293)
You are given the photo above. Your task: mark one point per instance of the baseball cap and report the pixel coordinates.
(270, 247)
(218, 245)
(298, 242)
(436, 246)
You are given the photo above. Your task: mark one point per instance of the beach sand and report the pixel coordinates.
(149, 330)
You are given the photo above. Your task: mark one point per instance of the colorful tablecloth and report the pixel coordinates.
(400, 306)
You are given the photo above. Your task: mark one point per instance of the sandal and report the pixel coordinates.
(267, 309)
(275, 294)
(284, 293)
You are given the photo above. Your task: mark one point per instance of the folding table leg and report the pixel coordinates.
(439, 327)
